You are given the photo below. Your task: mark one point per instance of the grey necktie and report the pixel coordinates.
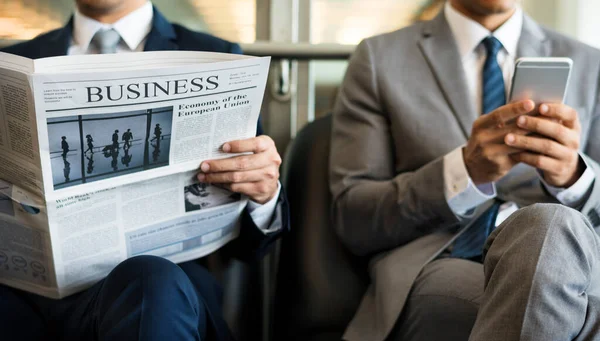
(106, 41)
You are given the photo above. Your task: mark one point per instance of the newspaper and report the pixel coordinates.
(98, 157)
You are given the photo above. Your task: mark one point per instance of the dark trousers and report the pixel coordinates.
(144, 298)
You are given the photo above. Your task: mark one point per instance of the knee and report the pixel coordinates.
(148, 295)
(155, 277)
(540, 219)
(541, 227)
(143, 267)
(548, 212)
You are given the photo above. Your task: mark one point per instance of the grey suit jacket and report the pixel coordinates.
(403, 105)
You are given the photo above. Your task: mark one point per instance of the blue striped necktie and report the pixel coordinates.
(494, 92)
(469, 245)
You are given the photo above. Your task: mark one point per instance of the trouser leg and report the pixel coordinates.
(443, 302)
(591, 326)
(539, 268)
(149, 298)
(143, 298)
(19, 319)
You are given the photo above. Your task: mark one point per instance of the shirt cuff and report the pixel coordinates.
(263, 213)
(461, 193)
(577, 193)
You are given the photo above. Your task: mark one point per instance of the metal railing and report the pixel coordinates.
(8, 42)
(299, 51)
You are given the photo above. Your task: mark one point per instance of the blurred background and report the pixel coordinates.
(332, 21)
(335, 24)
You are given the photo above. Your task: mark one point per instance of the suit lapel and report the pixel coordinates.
(441, 52)
(533, 41)
(162, 36)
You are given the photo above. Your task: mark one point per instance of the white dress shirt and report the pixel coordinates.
(462, 194)
(133, 29)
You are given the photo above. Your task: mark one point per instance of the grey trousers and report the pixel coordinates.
(540, 281)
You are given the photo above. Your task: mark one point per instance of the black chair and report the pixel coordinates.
(242, 293)
(319, 284)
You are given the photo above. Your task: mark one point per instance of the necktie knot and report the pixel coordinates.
(492, 45)
(106, 41)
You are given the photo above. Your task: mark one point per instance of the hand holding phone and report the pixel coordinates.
(553, 140)
(535, 128)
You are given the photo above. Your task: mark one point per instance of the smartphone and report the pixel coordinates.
(543, 80)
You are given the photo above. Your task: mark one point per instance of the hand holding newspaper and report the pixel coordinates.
(98, 156)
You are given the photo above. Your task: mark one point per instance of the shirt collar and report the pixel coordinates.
(133, 28)
(469, 33)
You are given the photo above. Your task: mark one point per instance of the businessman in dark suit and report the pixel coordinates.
(150, 298)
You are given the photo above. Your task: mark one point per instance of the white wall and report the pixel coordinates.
(543, 11)
(577, 18)
(587, 23)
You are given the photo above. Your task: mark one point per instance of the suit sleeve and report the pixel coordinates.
(591, 207)
(376, 209)
(252, 243)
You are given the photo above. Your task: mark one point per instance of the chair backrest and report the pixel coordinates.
(242, 292)
(320, 284)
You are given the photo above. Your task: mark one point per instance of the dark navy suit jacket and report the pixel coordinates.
(165, 36)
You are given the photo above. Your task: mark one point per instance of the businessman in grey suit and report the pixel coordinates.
(429, 159)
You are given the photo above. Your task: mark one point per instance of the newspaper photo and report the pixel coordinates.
(99, 156)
